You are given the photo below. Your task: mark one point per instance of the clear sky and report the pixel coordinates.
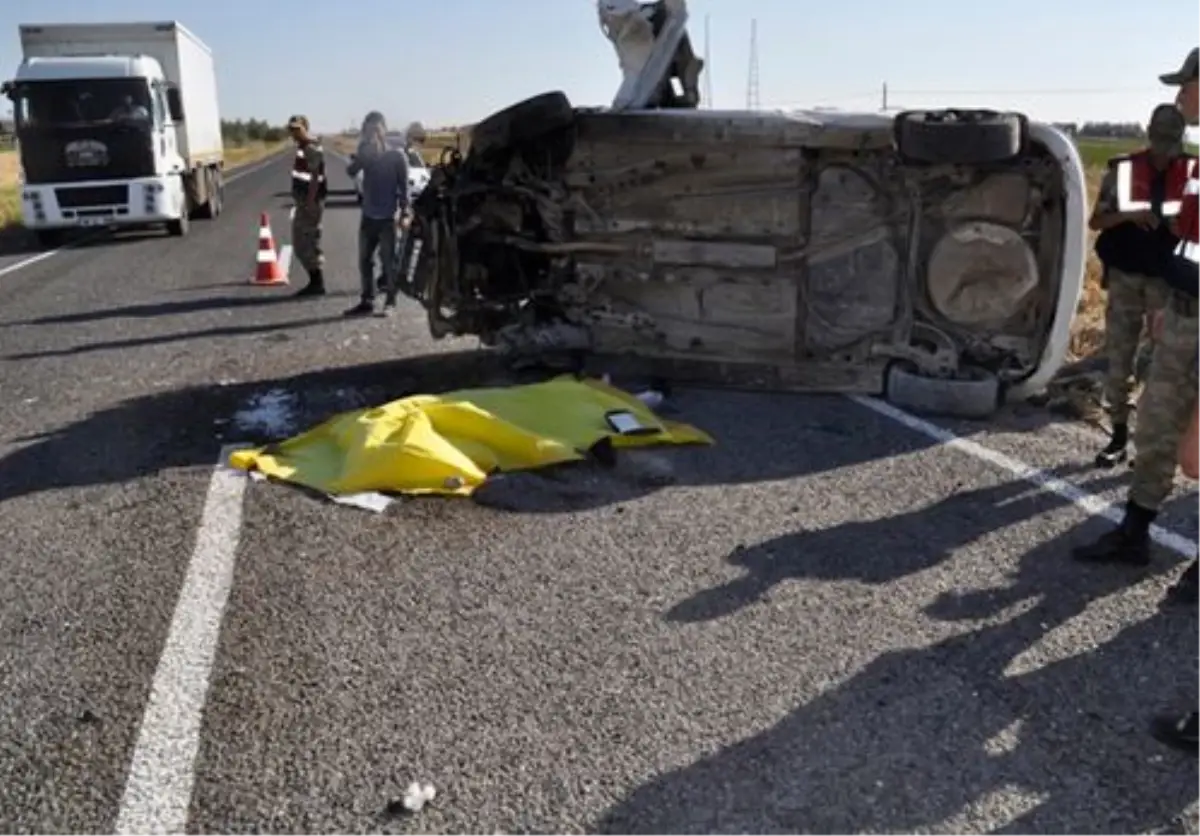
(454, 61)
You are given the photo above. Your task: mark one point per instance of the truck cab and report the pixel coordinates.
(102, 135)
(97, 143)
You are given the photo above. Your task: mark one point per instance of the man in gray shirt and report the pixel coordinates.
(384, 207)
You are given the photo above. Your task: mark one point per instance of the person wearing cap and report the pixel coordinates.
(1169, 399)
(309, 189)
(1187, 79)
(1138, 196)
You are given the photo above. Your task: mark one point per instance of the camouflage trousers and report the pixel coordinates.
(306, 236)
(1131, 299)
(1167, 403)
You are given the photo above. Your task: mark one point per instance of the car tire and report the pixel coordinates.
(959, 137)
(522, 122)
(975, 394)
(49, 239)
(211, 207)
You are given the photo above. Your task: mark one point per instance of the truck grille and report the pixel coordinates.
(82, 196)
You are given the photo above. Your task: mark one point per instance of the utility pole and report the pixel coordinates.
(752, 100)
(884, 107)
(708, 94)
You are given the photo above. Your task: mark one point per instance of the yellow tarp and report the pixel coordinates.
(448, 443)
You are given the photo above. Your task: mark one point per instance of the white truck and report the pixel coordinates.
(117, 126)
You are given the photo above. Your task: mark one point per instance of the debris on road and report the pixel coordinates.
(450, 444)
(271, 413)
(417, 796)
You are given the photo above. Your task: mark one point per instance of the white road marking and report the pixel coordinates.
(158, 790)
(285, 259)
(1088, 503)
(12, 268)
(34, 259)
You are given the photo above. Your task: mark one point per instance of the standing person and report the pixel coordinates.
(1140, 192)
(1170, 395)
(309, 189)
(384, 206)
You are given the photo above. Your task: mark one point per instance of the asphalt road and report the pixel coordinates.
(831, 621)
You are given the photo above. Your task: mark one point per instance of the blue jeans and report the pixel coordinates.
(374, 234)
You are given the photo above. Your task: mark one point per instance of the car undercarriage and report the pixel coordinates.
(918, 255)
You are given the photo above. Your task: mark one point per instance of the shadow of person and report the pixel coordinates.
(874, 551)
(952, 737)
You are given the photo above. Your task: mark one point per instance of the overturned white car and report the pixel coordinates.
(934, 257)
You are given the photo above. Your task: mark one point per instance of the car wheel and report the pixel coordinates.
(49, 239)
(522, 122)
(959, 137)
(976, 393)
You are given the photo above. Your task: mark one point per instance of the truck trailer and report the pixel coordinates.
(117, 125)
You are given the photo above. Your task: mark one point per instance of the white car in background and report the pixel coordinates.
(418, 176)
(932, 257)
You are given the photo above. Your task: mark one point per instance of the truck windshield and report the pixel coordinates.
(44, 105)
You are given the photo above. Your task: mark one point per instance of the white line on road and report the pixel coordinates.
(12, 268)
(1088, 503)
(34, 259)
(158, 790)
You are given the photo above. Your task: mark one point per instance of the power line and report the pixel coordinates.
(888, 95)
(752, 100)
(708, 93)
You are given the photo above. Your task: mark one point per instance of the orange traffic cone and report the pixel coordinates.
(267, 272)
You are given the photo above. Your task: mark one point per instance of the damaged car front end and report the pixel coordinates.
(933, 257)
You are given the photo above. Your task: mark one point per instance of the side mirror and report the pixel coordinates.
(174, 104)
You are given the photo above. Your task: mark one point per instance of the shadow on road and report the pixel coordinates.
(876, 552)
(174, 429)
(16, 240)
(177, 429)
(164, 339)
(157, 309)
(967, 727)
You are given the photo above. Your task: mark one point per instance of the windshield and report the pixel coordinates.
(414, 159)
(44, 105)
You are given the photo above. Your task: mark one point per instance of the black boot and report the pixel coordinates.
(315, 286)
(1177, 732)
(1186, 590)
(1116, 451)
(1127, 543)
(365, 307)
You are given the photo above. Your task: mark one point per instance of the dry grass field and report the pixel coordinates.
(10, 167)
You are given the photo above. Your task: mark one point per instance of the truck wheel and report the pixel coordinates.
(975, 394)
(959, 137)
(211, 208)
(522, 122)
(179, 228)
(49, 239)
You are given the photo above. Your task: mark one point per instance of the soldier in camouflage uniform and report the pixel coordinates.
(1138, 195)
(309, 189)
(1182, 731)
(1169, 398)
